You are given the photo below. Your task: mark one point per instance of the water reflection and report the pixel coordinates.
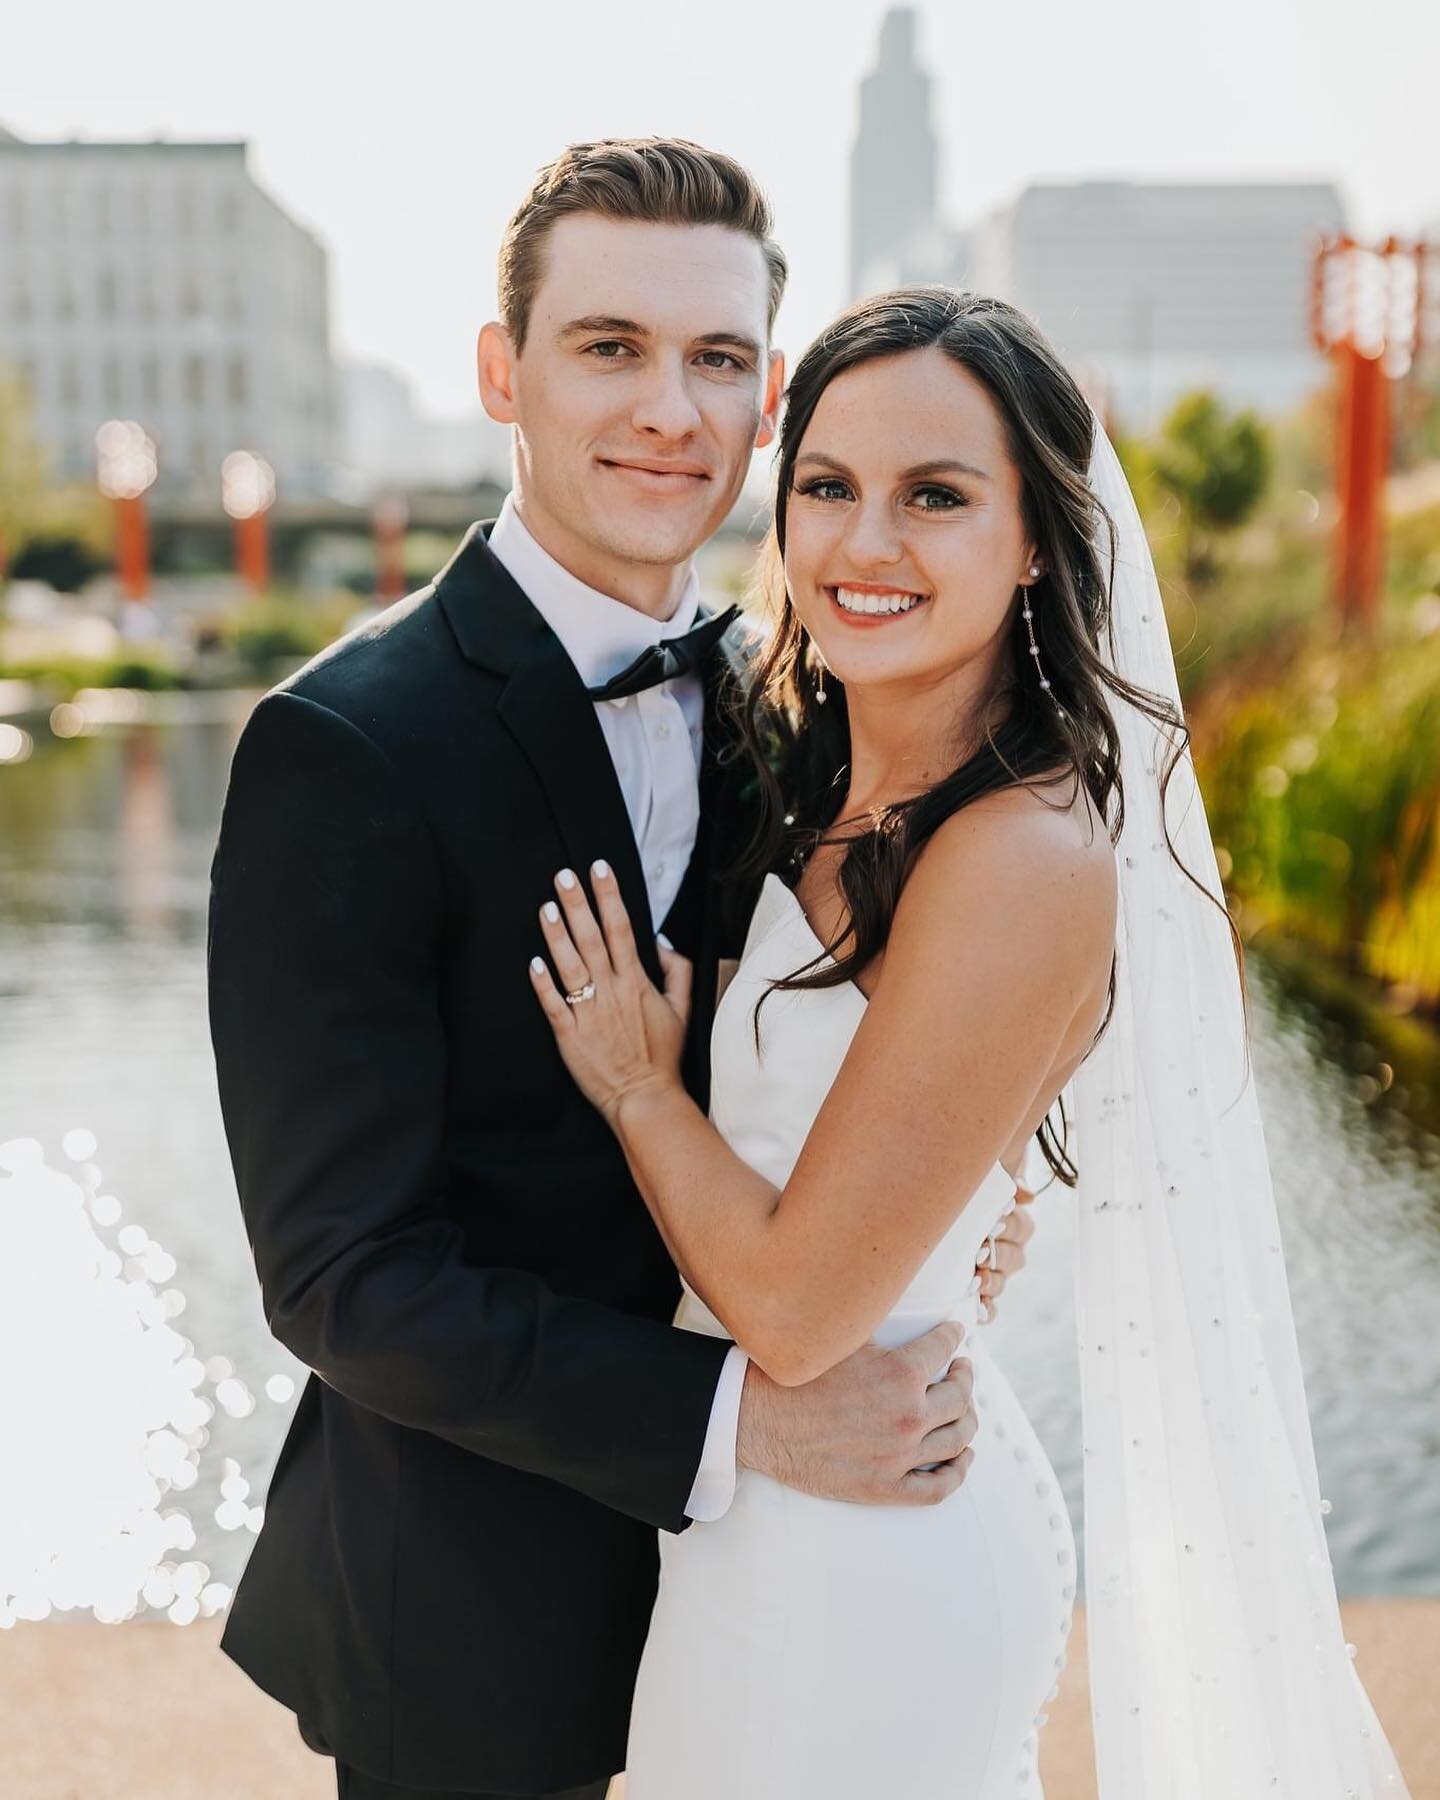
(145, 835)
(105, 846)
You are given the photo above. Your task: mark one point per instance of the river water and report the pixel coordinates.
(105, 844)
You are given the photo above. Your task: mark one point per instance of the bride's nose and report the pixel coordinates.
(872, 538)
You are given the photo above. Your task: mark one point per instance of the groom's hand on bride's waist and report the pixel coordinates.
(878, 1428)
(1001, 1256)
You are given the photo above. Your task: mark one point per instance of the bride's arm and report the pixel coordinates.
(989, 974)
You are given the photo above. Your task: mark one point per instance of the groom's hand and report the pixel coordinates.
(1002, 1256)
(878, 1428)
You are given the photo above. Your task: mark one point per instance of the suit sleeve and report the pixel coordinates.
(326, 919)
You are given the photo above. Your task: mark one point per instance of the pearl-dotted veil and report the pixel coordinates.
(1218, 1665)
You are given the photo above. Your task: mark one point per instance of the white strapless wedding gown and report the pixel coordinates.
(805, 1649)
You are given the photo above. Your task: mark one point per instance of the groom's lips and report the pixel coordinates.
(658, 477)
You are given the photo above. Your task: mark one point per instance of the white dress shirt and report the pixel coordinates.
(655, 741)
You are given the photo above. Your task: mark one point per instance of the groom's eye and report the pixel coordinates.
(720, 359)
(608, 350)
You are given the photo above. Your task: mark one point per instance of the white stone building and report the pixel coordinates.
(1151, 289)
(158, 281)
(387, 441)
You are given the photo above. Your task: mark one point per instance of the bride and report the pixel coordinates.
(987, 881)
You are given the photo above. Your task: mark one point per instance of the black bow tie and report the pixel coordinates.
(668, 659)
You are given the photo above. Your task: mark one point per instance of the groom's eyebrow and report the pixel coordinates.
(593, 322)
(606, 324)
(733, 340)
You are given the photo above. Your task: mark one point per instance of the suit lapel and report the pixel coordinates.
(545, 708)
(704, 907)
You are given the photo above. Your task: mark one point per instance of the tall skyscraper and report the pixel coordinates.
(158, 281)
(894, 160)
(1147, 289)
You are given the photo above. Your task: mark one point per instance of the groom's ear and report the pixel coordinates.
(774, 393)
(495, 366)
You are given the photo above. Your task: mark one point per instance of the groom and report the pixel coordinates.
(455, 1575)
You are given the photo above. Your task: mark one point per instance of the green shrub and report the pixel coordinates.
(276, 632)
(1323, 787)
(132, 667)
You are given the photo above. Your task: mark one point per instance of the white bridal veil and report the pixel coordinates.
(1219, 1669)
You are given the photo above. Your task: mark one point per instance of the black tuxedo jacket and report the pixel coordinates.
(458, 1560)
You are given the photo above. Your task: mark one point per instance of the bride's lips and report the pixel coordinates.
(870, 590)
(658, 477)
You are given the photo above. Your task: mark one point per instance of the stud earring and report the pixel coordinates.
(1029, 617)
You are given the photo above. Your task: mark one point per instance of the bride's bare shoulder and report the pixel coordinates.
(1042, 857)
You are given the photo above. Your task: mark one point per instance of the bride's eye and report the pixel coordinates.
(933, 498)
(825, 487)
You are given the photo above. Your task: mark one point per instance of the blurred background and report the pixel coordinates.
(243, 260)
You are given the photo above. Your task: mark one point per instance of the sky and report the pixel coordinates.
(405, 135)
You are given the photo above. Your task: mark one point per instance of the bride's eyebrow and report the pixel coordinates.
(942, 465)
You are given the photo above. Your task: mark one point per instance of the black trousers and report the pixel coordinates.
(353, 1785)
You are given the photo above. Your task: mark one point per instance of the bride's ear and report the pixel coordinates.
(495, 367)
(774, 394)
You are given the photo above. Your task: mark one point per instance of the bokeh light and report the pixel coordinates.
(111, 1420)
(126, 457)
(16, 744)
(247, 484)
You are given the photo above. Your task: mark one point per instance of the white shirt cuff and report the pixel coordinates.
(714, 1487)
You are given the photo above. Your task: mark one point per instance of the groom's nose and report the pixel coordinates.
(664, 404)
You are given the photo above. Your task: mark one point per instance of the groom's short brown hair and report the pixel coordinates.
(662, 181)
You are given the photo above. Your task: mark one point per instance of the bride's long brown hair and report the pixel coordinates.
(800, 748)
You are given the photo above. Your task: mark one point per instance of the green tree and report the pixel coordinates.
(1217, 466)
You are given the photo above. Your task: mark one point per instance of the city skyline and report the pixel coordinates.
(406, 156)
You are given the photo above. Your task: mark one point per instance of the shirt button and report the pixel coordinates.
(662, 730)
(658, 870)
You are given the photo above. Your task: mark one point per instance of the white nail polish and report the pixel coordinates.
(551, 912)
(566, 878)
(663, 941)
(600, 868)
(537, 965)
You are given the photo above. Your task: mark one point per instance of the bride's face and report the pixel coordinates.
(905, 541)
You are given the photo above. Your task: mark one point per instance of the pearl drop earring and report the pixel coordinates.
(820, 695)
(1029, 618)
